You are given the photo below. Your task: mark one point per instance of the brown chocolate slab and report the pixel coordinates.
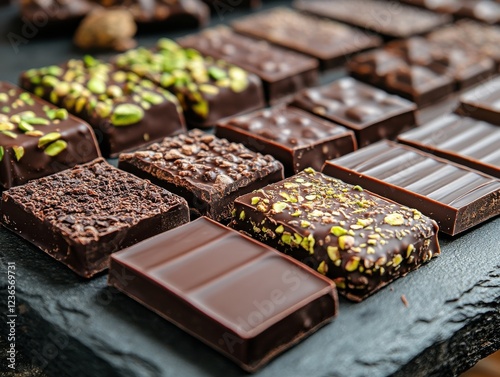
(482, 102)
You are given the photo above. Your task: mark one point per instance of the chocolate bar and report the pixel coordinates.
(125, 111)
(294, 137)
(329, 42)
(465, 141)
(393, 20)
(370, 112)
(221, 7)
(208, 89)
(82, 215)
(457, 197)
(482, 102)
(207, 171)
(358, 239)
(282, 72)
(37, 139)
(240, 297)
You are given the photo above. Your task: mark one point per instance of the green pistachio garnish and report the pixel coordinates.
(396, 261)
(358, 188)
(62, 88)
(2, 152)
(35, 133)
(305, 224)
(7, 126)
(209, 89)
(346, 242)
(217, 73)
(394, 219)
(242, 215)
(333, 253)
(4, 97)
(114, 91)
(409, 250)
(55, 148)
(311, 197)
(127, 114)
(309, 170)
(280, 229)
(239, 86)
(338, 231)
(323, 268)
(10, 134)
(18, 151)
(153, 98)
(35, 121)
(96, 86)
(49, 138)
(278, 207)
(286, 238)
(255, 200)
(25, 126)
(352, 264)
(297, 213)
(201, 108)
(50, 81)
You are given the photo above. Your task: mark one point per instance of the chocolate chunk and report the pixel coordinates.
(482, 102)
(209, 172)
(296, 138)
(82, 215)
(392, 19)
(463, 140)
(457, 197)
(282, 72)
(327, 41)
(124, 110)
(208, 89)
(37, 139)
(370, 112)
(358, 239)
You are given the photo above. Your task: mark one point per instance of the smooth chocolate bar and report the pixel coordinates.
(329, 42)
(391, 19)
(282, 72)
(463, 140)
(82, 215)
(457, 197)
(294, 137)
(208, 89)
(370, 112)
(37, 139)
(240, 297)
(482, 102)
(358, 239)
(125, 111)
(207, 171)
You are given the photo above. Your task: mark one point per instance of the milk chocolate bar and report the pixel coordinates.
(482, 102)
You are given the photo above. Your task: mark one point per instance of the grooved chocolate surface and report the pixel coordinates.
(283, 72)
(295, 137)
(370, 112)
(240, 297)
(390, 19)
(482, 102)
(463, 140)
(209, 172)
(356, 238)
(25, 121)
(82, 215)
(457, 197)
(327, 41)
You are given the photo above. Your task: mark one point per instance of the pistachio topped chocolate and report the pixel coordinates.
(37, 139)
(359, 239)
(125, 110)
(208, 89)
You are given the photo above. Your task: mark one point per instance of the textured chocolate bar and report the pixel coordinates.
(358, 239)
(482, 102)
(82, 215)
(239, 296)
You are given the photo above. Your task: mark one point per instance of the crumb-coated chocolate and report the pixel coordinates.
(456, 196)
(466, 141)
(37, 139)
(370, 112)
(482, 102)
(391, 19)
(358, 239)
(282, 72)
(240, 297)
(328, 41)
(124, 110)
(208, 89)
(82, 215)
(294, 137)
(209, 172)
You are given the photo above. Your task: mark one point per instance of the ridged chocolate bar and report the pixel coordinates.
(239, 296)
(457, 197)
(482, 102)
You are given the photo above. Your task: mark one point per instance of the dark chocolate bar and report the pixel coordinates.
(240, 297)
(296, 138)
(391, 19)
(329, 42)
(207, 171)
(37, 139)
(370, 112)
(465, 141)
(208, 89)
(221, 7)
(358, 239)
(482, 102)
(82, 215)
(457, 197)
(282, 72)
(125, 111)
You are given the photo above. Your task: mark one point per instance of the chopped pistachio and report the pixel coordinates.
(297, 213)
(280, 229)
(35, 133)
(6, 126)
(397, 260)
(2, 152)
(217, 73)
(201, 108)
(25, 126)
(209, 89)
(352, 264)
(18, 151)
(346, 242)
(126, 114)
(255, 200)
(394, 219)
(10, 134)
(153, 98)
(358, 188)
(4, 97)
(49, 138)
(55, 148)
(305, 224)
(286, 238)
(242, 215)
(311, 197)
(278, 207)
(338, 231)
(333, 253)
(409, 250)
(323, 268)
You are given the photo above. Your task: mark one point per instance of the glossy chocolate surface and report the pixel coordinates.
(329, 42)
(482, 102)
(207, 171)
(283, 72)
(356, 238)
(37, 139)
(82, 215)
(239, 296)
(370, 112)
(294, 137)
(457, 197)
